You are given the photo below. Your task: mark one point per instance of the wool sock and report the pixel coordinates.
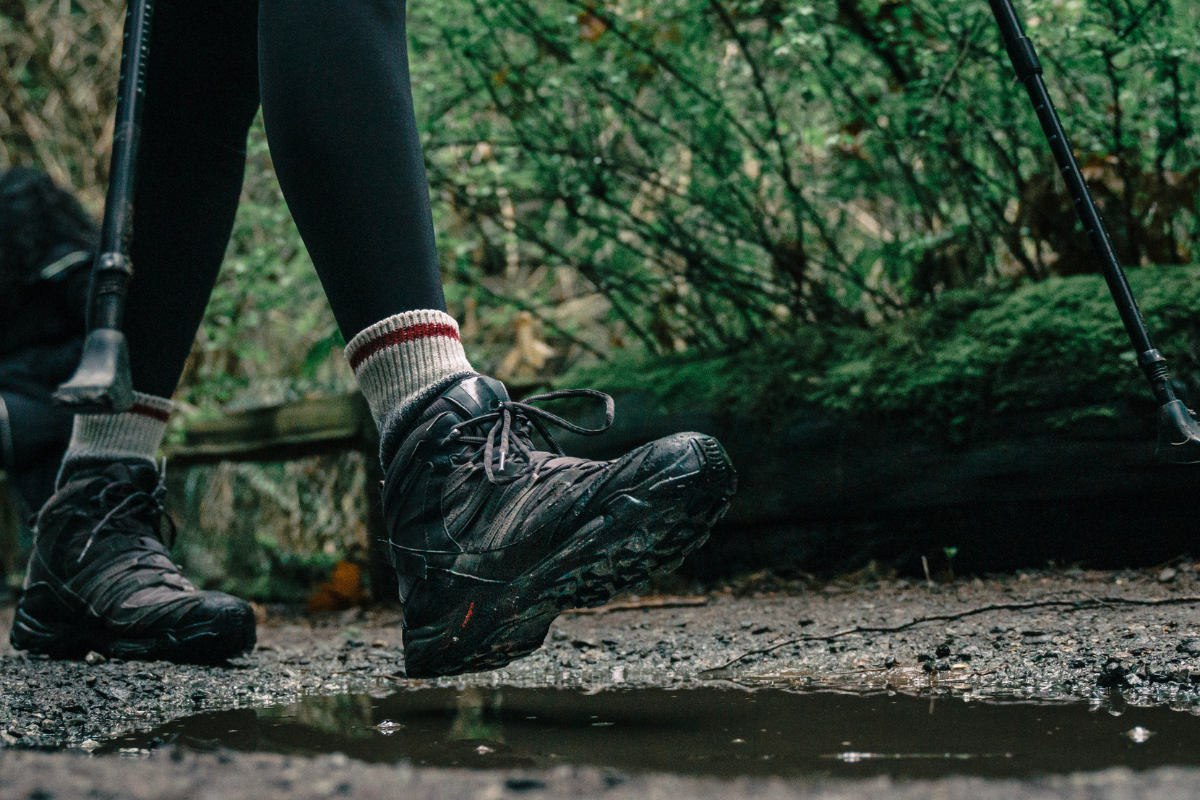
(402, 364)
(132, 435)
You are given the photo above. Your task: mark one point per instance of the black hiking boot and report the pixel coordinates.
(492, 539)
(101, 578)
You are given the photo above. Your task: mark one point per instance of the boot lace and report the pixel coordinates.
(513, 416)
(130, 501)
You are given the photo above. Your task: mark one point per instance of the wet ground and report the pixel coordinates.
(718, 732)
(1122, 668)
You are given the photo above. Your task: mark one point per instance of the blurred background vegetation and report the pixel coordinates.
(845, 203)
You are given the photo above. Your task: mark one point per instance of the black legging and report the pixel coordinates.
(343, 136)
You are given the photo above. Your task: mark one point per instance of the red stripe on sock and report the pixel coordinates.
(152, 413)
(409, 334)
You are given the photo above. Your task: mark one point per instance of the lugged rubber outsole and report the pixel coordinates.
(227, 635)
(630, 546)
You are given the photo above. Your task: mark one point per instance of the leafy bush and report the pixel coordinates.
(724, 169)
(967, 358)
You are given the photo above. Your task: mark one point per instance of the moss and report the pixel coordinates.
(968, 357)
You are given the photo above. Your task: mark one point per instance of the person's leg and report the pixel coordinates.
(201, 98)
(101, 576)
(343, 135)
(490, 537)
(339, 116)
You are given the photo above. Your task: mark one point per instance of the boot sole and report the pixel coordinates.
(627, 547)
(227, 635)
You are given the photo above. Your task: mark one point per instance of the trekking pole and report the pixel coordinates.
(101, 384)
(1178, 433)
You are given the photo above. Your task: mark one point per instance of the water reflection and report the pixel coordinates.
(700, 731)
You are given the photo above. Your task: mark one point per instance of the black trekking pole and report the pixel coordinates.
(1178, 433)
(101, 384)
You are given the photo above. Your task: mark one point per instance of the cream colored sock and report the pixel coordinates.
(136, 433)
(402, 364)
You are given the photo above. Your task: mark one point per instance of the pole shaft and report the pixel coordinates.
(112, 271)
(1029, 72)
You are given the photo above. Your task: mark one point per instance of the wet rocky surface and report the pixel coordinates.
(179, 774)
(1110, 655)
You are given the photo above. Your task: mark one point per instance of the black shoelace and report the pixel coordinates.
(510, 412)
(137, 503)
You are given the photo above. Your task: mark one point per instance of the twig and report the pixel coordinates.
(650, 602)
(1068, 605)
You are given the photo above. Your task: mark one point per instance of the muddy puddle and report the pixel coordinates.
(713, 732)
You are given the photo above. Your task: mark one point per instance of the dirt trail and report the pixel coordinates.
(1150, 654)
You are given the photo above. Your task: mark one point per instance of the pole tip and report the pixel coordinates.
(1178, 434)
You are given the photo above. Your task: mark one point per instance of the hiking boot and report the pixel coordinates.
(492, 538)
(101, 578)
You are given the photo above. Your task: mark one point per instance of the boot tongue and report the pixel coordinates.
(138, 471)
(475, 396)
(467, 399)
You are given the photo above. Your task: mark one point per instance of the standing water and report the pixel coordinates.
(713, 732)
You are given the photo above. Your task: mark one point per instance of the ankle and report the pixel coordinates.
(132, 436)
(402, 364)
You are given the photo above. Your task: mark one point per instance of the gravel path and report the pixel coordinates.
(1110, 655)
(36, 776)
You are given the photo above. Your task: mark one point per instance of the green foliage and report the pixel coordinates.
(967, 358)
(58, 82)
(720, 169)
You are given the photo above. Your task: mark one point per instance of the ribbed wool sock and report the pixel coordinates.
(402, 364)
(133, 434)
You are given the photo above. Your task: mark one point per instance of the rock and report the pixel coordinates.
(93, 658)
(113, 693)
(1113, 676)
(942, 651)
(1167, 575)
(1189, 646)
